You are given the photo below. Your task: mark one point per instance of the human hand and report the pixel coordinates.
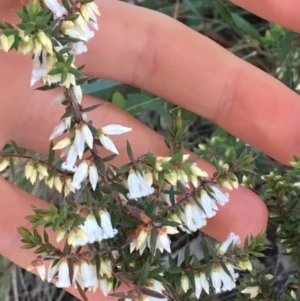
(139, 54)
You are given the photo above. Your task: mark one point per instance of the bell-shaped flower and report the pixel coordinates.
(253, 291)
(208, 204)
(137, 185)
(80, 174)
(85, 275)
(64, 124)
(113, 129)
(63, 274)
(57, 9)
(93, 175)
(232, 240)
(221, 197)
(141, 240)
(193, 217)
(163, 241)
(3, 164)
(69, 29)
(184, 281)
(106, 285)
(108, 230)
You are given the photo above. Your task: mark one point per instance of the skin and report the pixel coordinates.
(133, 46)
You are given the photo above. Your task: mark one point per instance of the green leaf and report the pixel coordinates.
(153, 240)
(129, 151)
(144, 273)
(174, 270)
(51, 152)
(226, 15)
(100, 166)
(119, 100)
(91, 108)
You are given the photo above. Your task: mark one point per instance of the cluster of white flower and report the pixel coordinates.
(138, 185)
(194, 217)
(44, 59)
(201, 283)
(34, 170)
(220, 279)
(84, 273)
(143, 237)
(90, 231)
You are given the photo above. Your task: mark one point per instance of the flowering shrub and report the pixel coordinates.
(121, 229)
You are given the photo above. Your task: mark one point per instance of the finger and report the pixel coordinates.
(277, 11)
(152, 51)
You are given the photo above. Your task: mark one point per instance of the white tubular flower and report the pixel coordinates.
(64, 124)
(252, 290)
(108, 231)
(201, 283)
(113, 129)
(141, 241)
(209, 206)
(193, 217)
(105, 268)
(184, 283)
(42, 170)
(69, 164)
(58, 183)
(231, 183)
(89, 12)
(52, 270)
(4, 163)
(183, 178)
(78, 93)
(87, 271)
(80, 174)
(63, 274)
(62, 143)
(45, 41)
(91, 229)
(221, 197)
(171, 177)
(79, 142)
(221, 281)
(232, 239)
(216, 280)
(93, 175)
(163, 241)
(69, 29)
(59, 99)
(106, 285)
(57, 9)
(68, 187)
(31, 172)
(78, 48)
(195, 170)
(7, 42)
(137, 185)
(204, 282)
(77, 237)
(83, 135)
(156, 286)
(228, 282)
(41, 269)
(39, 69)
